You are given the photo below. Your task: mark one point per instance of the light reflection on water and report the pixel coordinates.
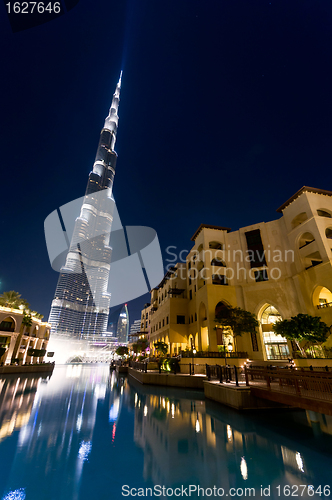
(83, 434)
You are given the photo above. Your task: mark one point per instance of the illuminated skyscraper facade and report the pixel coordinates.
(81, 303)
(123, 326)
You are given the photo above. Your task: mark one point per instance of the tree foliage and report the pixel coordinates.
(122, 350)
(161, 347)
(13, 299)
(237, 319)
(140, 345)
(27, 319)
(303, 327)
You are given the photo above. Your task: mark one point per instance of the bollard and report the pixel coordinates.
(246, 375)
(220, 374)
(189, 368)
(208, 372)
(146, 368)
(236, 377)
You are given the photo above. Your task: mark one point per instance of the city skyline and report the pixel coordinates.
(234, 92)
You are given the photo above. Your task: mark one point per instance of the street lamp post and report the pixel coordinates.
(230, 349)
(192, 358)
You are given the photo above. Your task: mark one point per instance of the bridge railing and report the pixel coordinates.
(139, 365)
(306, 384)
(229, 374)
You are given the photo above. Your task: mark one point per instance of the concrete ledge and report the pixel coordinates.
(167, 379)
(316, 363)
(10, 370)
(318, 406)
(239, 398)
(122, 369)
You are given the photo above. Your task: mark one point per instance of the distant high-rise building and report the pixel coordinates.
(135, 327)
(81, 303)
(123, 326)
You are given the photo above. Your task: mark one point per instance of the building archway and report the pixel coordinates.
(322, 297)
(305, 239)
(275, 346)
(324, 213)
(299, 219)
(328, 233)
(224, 334)
(8, 324)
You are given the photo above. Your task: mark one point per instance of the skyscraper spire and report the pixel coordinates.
(112, 120)
(81, 303)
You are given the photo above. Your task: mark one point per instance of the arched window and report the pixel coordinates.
(217, 262)
(270, 315)
(7, 325)
(218, 279)
(299, 219)
(305, 239)
(322, 297)
(219, 307)
(215, 245)
(328, 233)
(324, 213)
(313, 260)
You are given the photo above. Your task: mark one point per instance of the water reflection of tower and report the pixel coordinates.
(185, 444)
(123, 326)
(72, 394)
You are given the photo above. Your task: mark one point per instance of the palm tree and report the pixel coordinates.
(26, 324)
(12, 299)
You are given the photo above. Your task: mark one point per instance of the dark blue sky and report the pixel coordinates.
(225, 112)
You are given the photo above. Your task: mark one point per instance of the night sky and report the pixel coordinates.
(225, 112)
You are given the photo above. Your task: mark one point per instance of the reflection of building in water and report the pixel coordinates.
(17, 395)
(64, 441)
(184, 443)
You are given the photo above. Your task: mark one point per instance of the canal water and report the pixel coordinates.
(85, 434)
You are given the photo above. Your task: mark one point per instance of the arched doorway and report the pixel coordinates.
(275, 345)
(224, 334)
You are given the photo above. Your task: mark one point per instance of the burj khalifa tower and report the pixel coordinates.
(80, 307)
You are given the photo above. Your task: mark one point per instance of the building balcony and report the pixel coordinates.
(175, 292)
(325, 304)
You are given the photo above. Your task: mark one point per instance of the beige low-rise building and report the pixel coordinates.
(275, 270)
(34, 337)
